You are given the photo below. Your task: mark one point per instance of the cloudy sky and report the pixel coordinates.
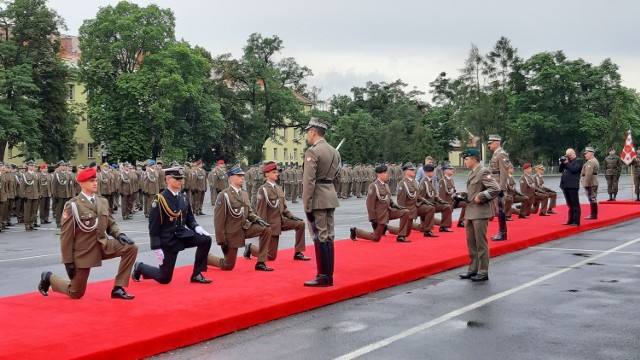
(349, 42)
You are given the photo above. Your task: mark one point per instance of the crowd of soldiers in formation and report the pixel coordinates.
(33, 192)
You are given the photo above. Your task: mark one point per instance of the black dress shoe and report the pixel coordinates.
(46, 222)
(467, 275)
(551, 212)
(352, 234)
(445, 229)
(523, 216)
(501, 236)
(429, 234)
(135, 274)
(44, 284)
(402, 239)
(247, 252)
(119, 293)
(300, 256)
(199, 279)
(544, 214)
(508, 219)
(591, 217)
(460, 224)
(574, 224)
(260, 266)
(480, 277)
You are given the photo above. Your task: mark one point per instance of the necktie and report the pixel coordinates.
(93, 201)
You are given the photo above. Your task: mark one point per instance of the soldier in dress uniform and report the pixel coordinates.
(105, 184)
(173, 228)
(9, 181)
(19, 198)
(482, 187)
(128, 188)
(60, 190)
(613, 165)
(272, 207)
(499, 164)
(45, 194)
(140, 195)
(319, 198)
(235, 221)
(589, 177)
(513, 196)
(162, 183)
(30, 191)
(150, 186)
(297, 186)
(430, 194)
(408, 197)
(218, 180)
(257, 180)
(248, 180)
(447, 191)
(550, 193)
(381, 208)
(199, 187)
(533, 193)
(636, 174)
(84, 243)
(114, 173)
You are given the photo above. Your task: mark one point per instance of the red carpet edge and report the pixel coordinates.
(166, 317)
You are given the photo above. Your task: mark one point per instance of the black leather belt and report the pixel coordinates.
(496, 172)
(324, 181)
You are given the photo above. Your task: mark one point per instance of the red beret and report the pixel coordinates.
(526, 166)
(220, 162)
(43, 166)
(270, 166)
(86, 174)
(199, 162)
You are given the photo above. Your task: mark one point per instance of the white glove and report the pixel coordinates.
(159, 256)
(201, 231)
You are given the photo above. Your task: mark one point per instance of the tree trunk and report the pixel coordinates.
(3, 147)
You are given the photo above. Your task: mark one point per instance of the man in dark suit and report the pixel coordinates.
(571, 167)
(172, 228)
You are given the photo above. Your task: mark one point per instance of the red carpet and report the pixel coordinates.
(165, 317)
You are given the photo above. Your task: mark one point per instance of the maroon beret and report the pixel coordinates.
(86, 174)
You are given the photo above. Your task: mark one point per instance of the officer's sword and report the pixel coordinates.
(340, 144)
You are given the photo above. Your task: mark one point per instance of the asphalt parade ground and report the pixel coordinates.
(573, 298)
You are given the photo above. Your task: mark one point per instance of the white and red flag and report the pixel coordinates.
(628, 152)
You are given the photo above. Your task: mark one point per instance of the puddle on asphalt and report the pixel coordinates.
(573, 290)
(581, 254)
(609, 281)
(475, 324)
(594, 263)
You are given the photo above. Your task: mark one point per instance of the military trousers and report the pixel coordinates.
(76, 287)
(164, 273)
(592, 194)
(30, 209)
(509, 200)
(612, 184)
(477, 246)
(322, 226)
(287, 224)
(228, 262)
(44, 209)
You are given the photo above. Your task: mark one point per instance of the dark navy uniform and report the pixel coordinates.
(171, 228)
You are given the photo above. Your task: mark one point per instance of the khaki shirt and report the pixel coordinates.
(321, 162)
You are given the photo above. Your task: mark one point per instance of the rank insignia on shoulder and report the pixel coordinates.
(218, 202)
(154, 204)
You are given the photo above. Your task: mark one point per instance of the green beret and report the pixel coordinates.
(470, 152)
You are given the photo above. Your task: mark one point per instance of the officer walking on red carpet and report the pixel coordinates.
(319, 198)
(172, 228)
(234, 222)
(381, 208)
(272, 207)
(482, 188)
(86, 221)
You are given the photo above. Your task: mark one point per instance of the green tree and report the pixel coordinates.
(263, 86)
(126, 115)
(33, 110)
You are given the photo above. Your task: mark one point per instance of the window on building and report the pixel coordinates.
(275, 154)
(295, 155)
(284, 137)
(90, 151)
(70, 92)
(286, 154)
(264, 153)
